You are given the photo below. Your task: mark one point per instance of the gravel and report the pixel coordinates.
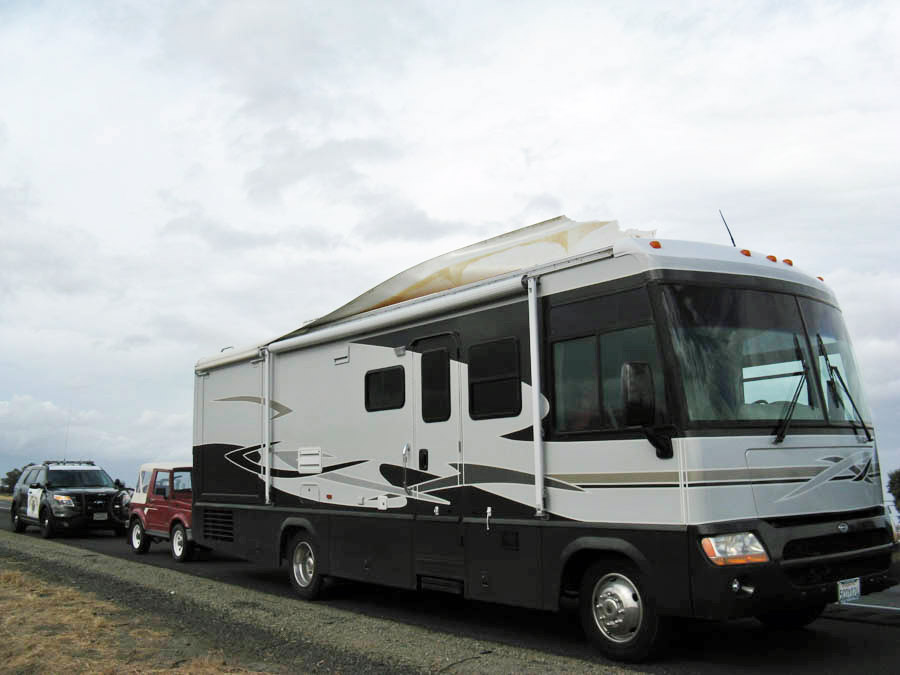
(272, 633)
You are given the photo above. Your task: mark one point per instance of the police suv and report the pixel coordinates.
(68, 495)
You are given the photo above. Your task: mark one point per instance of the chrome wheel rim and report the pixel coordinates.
(617, 607)
(136, 536)
(304, 564)
(178, 542)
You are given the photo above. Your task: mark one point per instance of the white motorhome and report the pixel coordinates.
(659, 428)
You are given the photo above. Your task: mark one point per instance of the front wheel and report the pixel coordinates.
(304, 569)
(18, 525)
(137, 538)
(46, 518)
(618, 614)
(182, 549)
(792, 618)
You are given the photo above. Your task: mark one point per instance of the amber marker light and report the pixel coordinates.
(820, 278)
(788, 261)
(745, 252)
(772, 258)
(655, 244)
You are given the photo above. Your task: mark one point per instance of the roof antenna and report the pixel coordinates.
(727, 228)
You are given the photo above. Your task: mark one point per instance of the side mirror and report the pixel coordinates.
(638, 394)
(119, 485)
(34, 486)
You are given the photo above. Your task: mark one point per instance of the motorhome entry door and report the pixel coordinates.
(436, 455)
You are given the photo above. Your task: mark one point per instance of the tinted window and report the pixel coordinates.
(603, 334)
(182, 481)
(162, 484)
(79, 478)
(436, 385)
(494, 380)
(576, 394)
(385, 389)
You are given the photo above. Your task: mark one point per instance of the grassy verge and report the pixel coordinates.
(59, 629)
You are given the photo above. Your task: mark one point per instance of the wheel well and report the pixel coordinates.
(176, 521)
(578, 563)
(287, 534)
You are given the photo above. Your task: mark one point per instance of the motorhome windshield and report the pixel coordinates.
(745, 355)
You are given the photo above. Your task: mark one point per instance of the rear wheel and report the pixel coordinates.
(137, 538)
(46, 518)
(18, 525)
(618, 614)
(794, 617)
(182, 549)
(303, 564)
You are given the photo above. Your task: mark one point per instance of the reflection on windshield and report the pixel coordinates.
(742, 355)
(77, 478)
(825, 323)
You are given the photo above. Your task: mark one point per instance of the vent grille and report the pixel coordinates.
(835, 543)
(816, 518)
(218, 524)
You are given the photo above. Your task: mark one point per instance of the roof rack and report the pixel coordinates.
(69, 461)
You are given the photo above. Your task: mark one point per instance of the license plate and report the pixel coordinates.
(104, 516)
(848, 590)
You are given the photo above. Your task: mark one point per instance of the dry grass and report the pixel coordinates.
(5, 498)
(47, 628)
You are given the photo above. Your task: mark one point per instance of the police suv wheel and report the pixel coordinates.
(18, 524)
(303, 566)
(618, 614)
(46, 519)
(137, 538)
(182, 549)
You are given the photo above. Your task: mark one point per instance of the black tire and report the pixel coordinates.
(182, 549)
(618, 613)
(137, 538)
(303, 568)
(792, 618)
(47, 528)
(16, 522)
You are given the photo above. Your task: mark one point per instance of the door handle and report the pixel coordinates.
(423, 459)
(406, 450)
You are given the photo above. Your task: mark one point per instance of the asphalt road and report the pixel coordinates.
(846, 640)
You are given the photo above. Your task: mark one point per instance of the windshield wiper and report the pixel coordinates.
(832, 371)
(789, 415)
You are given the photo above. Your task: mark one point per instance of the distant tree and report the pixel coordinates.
(894, 485)
(7, 484)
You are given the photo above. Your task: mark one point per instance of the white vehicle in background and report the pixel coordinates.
(660, 429)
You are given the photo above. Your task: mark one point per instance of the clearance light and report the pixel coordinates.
(772, 258)
(742, 548)
(788, 261)
(820, 278)
(655, 244)
(745, 252)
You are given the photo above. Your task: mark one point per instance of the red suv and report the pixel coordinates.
(160, 509)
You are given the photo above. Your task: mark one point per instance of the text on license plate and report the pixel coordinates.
(102, 516)
(848, 590)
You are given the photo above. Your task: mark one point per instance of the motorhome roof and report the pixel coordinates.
(652, 254)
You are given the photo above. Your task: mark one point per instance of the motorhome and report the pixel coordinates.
(657, 428)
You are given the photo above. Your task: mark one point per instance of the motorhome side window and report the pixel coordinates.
(590, 341)
(436, 385)
(495, 388)
(385, 389)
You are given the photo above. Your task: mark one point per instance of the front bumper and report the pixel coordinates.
(69, 521)
(808, 557)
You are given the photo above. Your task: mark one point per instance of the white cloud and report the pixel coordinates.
(178, 177)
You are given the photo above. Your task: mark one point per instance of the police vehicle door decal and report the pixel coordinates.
(34, 502)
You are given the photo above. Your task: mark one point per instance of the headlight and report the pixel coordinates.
(64, 500)
(734, 549)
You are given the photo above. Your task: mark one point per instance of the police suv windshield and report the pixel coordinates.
(745, 354)
(79, 478)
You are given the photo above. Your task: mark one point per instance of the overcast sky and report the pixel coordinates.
(176, 177)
